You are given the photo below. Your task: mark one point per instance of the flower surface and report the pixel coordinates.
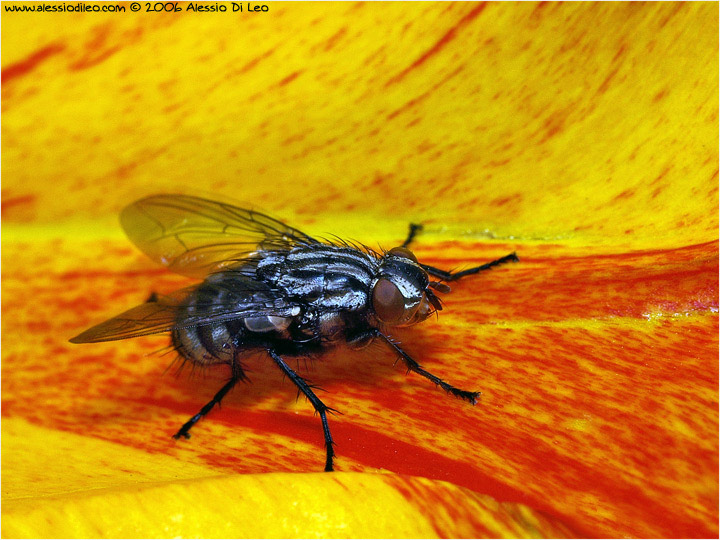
(583, 137)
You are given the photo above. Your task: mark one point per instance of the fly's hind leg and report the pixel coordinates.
(237, 375)
(320, 407)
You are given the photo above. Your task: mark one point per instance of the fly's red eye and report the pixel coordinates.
(388, 301)
(403, 252)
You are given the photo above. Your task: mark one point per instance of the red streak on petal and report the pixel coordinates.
(332, 41)
(252, 63)
(414, 101)
(30, 63)
(96, 51)
(290, 78)
(440, 44)
(17, 201)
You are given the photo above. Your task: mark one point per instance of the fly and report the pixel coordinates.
(269, 287)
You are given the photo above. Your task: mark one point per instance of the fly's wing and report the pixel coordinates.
(194, 306)
(149, 318)
(194, 236)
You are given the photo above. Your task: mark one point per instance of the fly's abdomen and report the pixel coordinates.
(205, 345)
(252, 317)
(211, 343)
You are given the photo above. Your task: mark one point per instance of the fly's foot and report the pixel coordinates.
(184, 431)
(470, 397)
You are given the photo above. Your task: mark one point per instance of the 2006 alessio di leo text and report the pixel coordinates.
(196, 7)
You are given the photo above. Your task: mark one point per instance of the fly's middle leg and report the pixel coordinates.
(320, 407)
(237, 375)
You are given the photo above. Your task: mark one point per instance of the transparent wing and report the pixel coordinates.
(192, 307)
(194, 236)
(142, 320)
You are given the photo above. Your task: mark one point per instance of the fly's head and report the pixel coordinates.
(402, 292)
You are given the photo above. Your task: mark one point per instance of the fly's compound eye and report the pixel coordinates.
(403, 252)
(388, 301)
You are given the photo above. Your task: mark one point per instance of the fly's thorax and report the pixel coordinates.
(324, 277)
(399, 292)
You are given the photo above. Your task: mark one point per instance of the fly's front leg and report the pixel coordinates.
(454, 276)
(320, 407)
(412, 365)
(237, 375)
(414, 229)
